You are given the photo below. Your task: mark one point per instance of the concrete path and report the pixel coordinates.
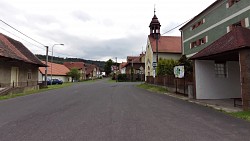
(103, 111)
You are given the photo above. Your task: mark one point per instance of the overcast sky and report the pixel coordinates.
(93, 29)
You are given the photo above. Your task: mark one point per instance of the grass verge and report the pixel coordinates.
(152, 88)
(50, 87)
(243, 115)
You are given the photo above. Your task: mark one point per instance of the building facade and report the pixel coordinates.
(214, 22)
(218, 40)
(158, 46)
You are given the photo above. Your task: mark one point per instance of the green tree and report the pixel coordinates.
(188, 65)
(107, 67)
(166, 66)
(74, 73)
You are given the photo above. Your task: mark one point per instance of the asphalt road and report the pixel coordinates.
(103, 111)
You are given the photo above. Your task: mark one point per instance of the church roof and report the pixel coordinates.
(166, 44)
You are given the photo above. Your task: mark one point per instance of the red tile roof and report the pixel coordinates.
(77, 65)
(57, 69)
(238, 38)
(166, 44)
(90, 68)
(122, 65)
(13, 49)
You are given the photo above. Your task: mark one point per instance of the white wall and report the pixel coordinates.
(40, 76)
(167, 56)
(208, 86)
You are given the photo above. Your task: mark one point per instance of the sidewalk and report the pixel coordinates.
(221, 105)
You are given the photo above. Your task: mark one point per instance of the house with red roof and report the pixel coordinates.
(218, 42)
(165, 47)
(19, 66)
(81, 66)
(56, 71)
(92, 71)
(135, 65)
(122, 67)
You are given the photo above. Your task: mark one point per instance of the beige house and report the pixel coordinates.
(77, 65)
(92, 71)
(166, 47)
(19, 67)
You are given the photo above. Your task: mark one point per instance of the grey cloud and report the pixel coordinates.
(81, 15)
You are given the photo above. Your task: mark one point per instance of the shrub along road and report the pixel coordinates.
(104, 111)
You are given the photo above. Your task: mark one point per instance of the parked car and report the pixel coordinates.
(54, 81)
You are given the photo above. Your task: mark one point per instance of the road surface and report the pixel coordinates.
(104, 111)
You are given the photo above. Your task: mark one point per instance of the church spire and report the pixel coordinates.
(155, 26)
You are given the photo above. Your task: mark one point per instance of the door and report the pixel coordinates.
(14, 76)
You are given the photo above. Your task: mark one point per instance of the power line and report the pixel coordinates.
(22, 38)
(176, 26)
(21, 33)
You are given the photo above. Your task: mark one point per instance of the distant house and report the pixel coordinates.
(165, 47)
(19, 67)
(218, 40)
(59, 71)
(77, 65)
(135, 66)
(122, 67)
(92, 71)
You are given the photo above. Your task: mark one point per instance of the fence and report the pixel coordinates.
(22, 84)
(129, 77)
(177, 85)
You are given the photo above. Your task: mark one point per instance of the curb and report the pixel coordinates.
(216, 107)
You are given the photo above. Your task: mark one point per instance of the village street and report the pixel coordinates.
(106, 111)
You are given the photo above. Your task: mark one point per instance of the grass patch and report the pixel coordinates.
(152, 88)
(243, 115)
(50, 87)
(111, 81)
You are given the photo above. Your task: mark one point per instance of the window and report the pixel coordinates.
(197, 24)
(232, 2)
(220, 70)
(29, 75)
(198, 42)
(241, 23)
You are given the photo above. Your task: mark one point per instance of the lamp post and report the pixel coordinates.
(52, 62)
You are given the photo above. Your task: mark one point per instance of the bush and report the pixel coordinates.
(122, 77)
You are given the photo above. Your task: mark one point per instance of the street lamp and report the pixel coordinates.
(52, 61)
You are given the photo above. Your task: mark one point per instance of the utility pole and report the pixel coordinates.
(157, 39)
(46, 69)
(116, 69)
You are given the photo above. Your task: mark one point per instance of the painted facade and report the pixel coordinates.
(213, 23)
(165, 47)
(217, 40)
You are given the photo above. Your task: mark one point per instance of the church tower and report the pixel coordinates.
(155, 27)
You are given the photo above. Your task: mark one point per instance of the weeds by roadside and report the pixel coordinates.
(243, 115)
(153, 88)
(50, 87)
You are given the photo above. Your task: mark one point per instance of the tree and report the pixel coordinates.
(166, 66)
(74, 73)
(107, 67)
(188, 65)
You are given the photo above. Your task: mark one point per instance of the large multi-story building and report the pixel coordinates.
(218, 40)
